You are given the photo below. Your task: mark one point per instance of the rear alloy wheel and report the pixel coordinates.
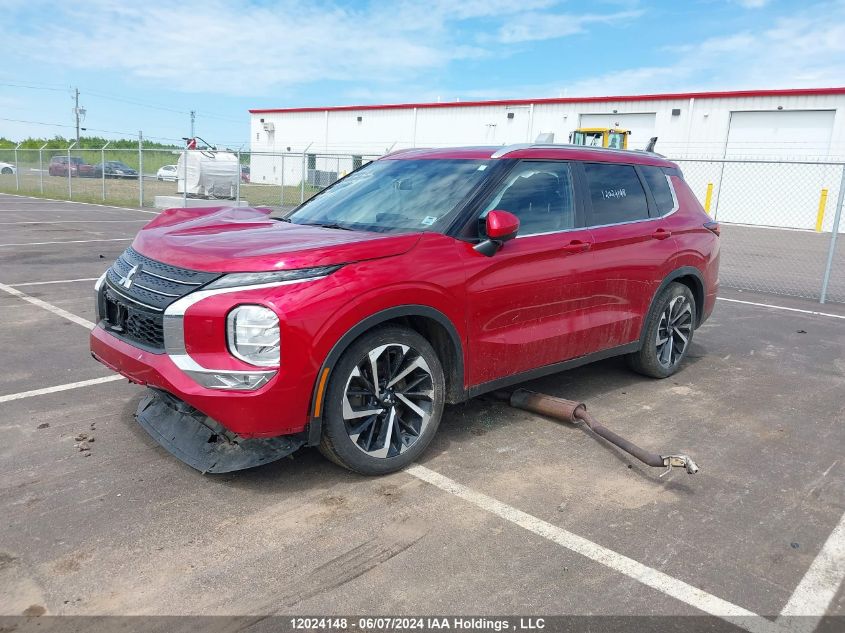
(668, 333)
(7, 170)
(384, 402)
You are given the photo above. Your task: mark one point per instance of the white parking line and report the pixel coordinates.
(114, 239)
(664, 583)
(776, 307)
(87, 204)
(70, 385)
(819, 585)
(57, 281)
(48, 306)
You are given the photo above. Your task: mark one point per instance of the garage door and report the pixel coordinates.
(777, 193)
(781, 134)
(640, 124)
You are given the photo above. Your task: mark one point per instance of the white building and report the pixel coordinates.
(779, 125)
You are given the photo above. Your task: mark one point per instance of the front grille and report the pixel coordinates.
(136, 312)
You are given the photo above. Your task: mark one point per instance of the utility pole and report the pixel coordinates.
(193, 118)
(76, 111)
(140, 168)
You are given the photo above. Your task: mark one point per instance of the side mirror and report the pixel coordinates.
(500, 226)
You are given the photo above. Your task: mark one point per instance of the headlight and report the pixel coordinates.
(253, 334)
(274, 277)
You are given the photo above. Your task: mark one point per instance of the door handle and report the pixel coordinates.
(576, 246)
(661, 234)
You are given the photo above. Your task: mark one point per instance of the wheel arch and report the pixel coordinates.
(429, 322)
(693, 279)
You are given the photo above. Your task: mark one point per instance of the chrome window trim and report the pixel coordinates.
(583, 228)
(174, 338)
(675, 204)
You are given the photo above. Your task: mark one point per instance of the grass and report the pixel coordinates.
(125, 193)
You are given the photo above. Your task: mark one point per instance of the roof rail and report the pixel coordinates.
(507, 149)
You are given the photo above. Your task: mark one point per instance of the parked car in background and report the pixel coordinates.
(78, 167)
(7, 169)
(244, 173)
(114, 169)
(167, 173)
(426, 277)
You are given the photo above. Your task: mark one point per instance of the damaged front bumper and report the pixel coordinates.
(203, 443)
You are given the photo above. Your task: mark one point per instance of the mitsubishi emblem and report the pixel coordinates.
(127, 281)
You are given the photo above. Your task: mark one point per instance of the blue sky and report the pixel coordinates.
(144, 65)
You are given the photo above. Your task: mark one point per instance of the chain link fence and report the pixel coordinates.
(780, 223)
(780, 219)
(132, 178)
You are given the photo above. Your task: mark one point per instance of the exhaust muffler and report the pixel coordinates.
(576, 413)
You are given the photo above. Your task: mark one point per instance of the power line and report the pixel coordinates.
(143, 104)
(35, 122)
(94, 129)
(35, 87)
(134, 102)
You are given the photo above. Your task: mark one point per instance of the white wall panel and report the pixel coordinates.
(806, 127)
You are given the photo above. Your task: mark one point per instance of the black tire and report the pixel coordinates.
(399, 352)
(7, 170)
(664, 347)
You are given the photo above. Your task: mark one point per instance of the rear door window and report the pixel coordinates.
(661, 190)
(616, 194)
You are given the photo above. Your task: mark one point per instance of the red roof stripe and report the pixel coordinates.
(792, 92)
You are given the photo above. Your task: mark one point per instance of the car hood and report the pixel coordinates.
(227, 239)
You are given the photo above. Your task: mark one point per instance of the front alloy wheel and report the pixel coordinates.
(388, 400)
(384, 401)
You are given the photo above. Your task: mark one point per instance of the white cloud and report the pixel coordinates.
(800, 50)
(543, 26)
(753, 4)
(252, 48)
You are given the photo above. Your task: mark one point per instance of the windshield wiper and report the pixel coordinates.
(328, 226)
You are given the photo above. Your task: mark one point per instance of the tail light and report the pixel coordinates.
(713, 227)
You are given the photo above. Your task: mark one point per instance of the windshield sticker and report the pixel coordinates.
(429, 220)
(481, 168)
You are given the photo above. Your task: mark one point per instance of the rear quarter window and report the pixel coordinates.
(616, 194)
(660, 189)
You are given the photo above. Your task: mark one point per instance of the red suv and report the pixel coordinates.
(59, 167)
(424, 278)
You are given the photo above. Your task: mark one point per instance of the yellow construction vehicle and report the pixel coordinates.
(615, 138)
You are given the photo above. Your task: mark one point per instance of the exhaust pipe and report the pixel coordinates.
(576, 413)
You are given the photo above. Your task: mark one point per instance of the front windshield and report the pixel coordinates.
(395, 195)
